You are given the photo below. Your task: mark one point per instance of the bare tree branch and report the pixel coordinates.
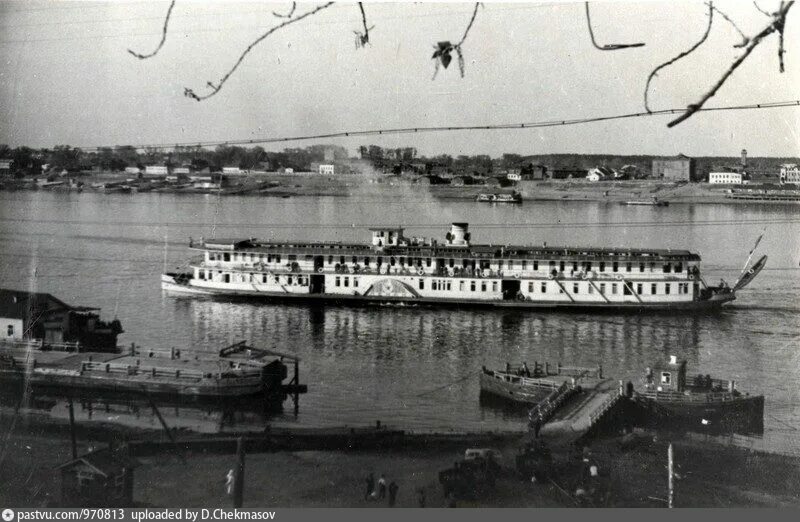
(745, 39)
(189, 93)
(362, 39)
(163, 36)
(291, 12)
(759, 8)
(683, 54)
(777, 24)
(444, 49)
(606, 47)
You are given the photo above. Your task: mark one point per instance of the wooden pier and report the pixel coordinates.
(570, 414)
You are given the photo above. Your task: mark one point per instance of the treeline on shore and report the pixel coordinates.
(22, 161)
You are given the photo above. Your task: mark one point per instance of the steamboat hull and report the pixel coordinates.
(740, 415)
(188, 290)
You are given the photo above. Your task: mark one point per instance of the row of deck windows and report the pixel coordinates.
(509, 265)
(289, 280)
(345, 281)
(683, 288)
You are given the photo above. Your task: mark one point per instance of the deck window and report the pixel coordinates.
(494, 286)
(530, 287)
(422, 284)
(292, 257)
(536, 265)
(278, 258)
(544, 287)
(264, 278)
(472, 286)
(510, 264)
(451, 262)
(666, 288)
(641, 267)
(552, 265)
(574, 288)
(678, 268)
(654, 289)
(461, 286)
(434, 284)
(602, 288)
(392, 261)
(667, 268)
(561, 266)
(602, 266)
(615, 267)
(338, 281)
(277, 280)
(226, 278)
(524, 264)
(639, 288)
(346, 281)
(666, 378)
(428, 261)
(587, 266)
(10, 331)
(483, 286)
(590, 288)
(575, 266)
(614, 288)
(330, 260)
(289, 280)
(341, 260)
(683, 288)
(226, 257)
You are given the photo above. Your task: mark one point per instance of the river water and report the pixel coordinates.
(415, 368)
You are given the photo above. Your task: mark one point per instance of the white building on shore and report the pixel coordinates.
(790, 173)
(725, 178)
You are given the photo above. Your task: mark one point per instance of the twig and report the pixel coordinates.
(759, 8)
(778, 22)
(163, 36)
(291, 12)
(444, 49)
(745, 39)
(216, 88)
(606, 47)
(362, 39)
(469, 26)
(683, 54)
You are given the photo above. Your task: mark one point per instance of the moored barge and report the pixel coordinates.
(394, 268)
(237, 371)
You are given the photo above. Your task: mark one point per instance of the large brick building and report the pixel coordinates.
(678, 168)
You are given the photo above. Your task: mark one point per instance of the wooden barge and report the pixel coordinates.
(523, 385)
(237, 371)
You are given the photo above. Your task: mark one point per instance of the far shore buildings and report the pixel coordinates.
(726, 178)
(678, 168)
(790, 174)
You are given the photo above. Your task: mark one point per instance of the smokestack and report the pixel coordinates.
(744, 159)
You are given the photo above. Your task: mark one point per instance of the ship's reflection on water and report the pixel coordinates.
(417, 367)
(141, 413)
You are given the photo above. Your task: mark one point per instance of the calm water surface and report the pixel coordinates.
(411, 367)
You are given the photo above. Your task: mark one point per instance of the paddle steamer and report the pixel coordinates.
(394, 268)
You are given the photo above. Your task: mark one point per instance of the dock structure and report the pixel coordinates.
(568, 414)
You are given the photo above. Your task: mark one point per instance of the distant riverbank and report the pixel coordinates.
(309, 184)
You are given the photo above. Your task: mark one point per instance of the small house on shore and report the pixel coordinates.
(100, 478)
(34, 315)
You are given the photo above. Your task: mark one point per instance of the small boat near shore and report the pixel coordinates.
(514, 197)
(702, 403)
(523, 385)
(652, 202)
(238, 370)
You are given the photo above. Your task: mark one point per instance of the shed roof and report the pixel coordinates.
(17, 303)
(105, 461)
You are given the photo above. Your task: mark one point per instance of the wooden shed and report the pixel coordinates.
(100, 478)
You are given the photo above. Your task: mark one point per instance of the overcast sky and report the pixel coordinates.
(67, 78)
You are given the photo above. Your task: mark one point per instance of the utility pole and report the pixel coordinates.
(671, 477)
(72, 429)
(238, 477)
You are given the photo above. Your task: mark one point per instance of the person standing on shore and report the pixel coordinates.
(392, 493)
(382, 487)
(370, 486)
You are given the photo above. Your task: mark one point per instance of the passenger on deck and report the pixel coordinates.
(525, 371)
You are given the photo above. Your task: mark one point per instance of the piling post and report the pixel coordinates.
(671, 477)
(72, 429)
(238, 480)
(296, 386)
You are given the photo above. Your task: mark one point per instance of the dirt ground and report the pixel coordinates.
(709, 475)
